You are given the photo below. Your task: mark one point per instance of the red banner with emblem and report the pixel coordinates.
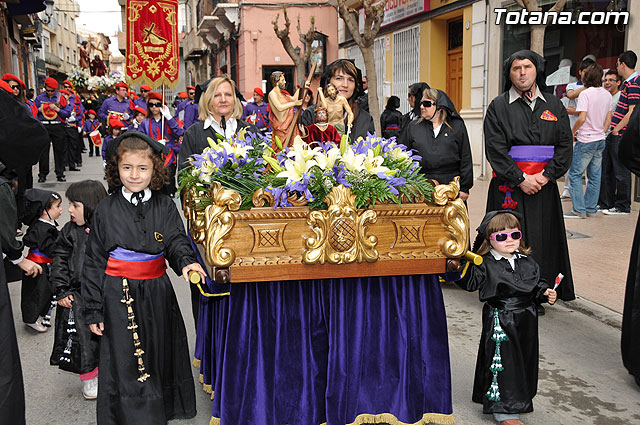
(152, 42)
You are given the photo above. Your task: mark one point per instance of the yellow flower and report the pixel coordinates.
(373, 164)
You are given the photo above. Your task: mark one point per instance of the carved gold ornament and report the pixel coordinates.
(340, 231)
(194, 210)
(455, 217)
(219, 221)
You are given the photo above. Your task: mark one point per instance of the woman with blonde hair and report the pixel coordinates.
(219, 113)
(440, 138)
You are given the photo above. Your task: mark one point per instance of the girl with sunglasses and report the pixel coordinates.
(440, 138)
(509, 283)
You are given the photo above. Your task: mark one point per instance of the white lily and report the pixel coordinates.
(352, 161)
(300, 148)
(236, 149)
(294, 169)
(206, 170)
(327, 160)
(373, 164)
(399, 154)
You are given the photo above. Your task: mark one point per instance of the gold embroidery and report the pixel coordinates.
(158, 236)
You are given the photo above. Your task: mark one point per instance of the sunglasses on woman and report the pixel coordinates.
(155, 104)
(501, 237)
(427, 103)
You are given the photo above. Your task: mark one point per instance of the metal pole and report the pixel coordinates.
(162, 106)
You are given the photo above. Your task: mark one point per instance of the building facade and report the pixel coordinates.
(60, 40)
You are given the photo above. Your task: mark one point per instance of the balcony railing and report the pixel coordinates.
(52, 59)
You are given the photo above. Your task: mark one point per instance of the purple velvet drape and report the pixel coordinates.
(321, 351)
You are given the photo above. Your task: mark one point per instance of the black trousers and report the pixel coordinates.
(615, 187)
(74, 147)
(58, 138)
(93, 148)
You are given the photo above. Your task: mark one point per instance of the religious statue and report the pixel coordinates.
(84, 56)
(97, 67)
(320, 130)
(282, 103)
(337, 106)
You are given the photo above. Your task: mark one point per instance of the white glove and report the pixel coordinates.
(125, 116)
(71, 119)
(162, 141)
(166, 112)
(80, 130)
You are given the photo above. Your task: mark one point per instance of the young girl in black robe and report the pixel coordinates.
(145, 374)
(75, 348)
(509, 282)
(44, 208)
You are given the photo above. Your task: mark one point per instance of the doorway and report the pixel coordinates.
(454, 62)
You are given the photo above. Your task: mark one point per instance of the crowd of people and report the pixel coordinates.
(117, 322)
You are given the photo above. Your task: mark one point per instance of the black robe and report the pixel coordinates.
(443, 157)
(11, 384)
(513, 292)
(194, 140)
(35, 293)
(66, 278)
(154, 227)
(508, 125)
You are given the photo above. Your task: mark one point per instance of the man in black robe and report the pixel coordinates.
(525, 116)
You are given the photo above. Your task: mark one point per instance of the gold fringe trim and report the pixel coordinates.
(201, 379)
(196, 363)
(207, 389)
(427, 418)
(365, 418)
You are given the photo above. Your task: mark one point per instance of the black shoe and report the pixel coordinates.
(61, 179)
(90, 155)
(540, 310)
(74, 169)
(79, 164)
(84, 150)
(42, 179)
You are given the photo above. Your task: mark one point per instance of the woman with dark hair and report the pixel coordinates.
(440, 138)
(414, 97)
(347, 78)
(390, 118)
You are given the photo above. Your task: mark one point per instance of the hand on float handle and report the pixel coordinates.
(189, 269)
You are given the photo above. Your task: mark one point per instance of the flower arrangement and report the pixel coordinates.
(376, 170)
(79, 77)
(105, 82)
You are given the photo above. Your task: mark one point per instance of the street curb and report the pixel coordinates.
(595, 310)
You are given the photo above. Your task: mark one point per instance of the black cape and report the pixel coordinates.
(630, 341)
(11, 384)
(154, 227)
(446, 156)
(36, 291)
(508, 125)
(71, 328)
(513, 293)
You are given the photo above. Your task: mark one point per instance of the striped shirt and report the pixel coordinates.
(629, 95)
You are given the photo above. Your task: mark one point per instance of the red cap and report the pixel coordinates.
(139, 109)
(51, 83)
(259, 91)
(118, 85)
(68, 83)
(91, 111)
(190, 88)
(182, 94)
(114, 122)
(11, 77)
(65, 91)
(145, 87)
(6, 87)
(155, 96)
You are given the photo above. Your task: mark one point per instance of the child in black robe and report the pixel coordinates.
(43, 209)
(75, 348)
(145, 375)
(509, 282)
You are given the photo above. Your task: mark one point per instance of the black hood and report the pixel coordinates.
(22, 137)
(444, 102)
(416, 89)
(538, 62)
(36, 200)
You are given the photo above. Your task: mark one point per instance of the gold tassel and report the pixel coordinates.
(196, 363)
(128, 301)
(427, 418)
